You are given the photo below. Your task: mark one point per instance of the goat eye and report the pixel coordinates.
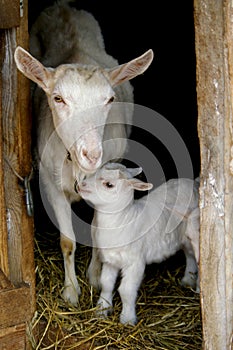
(111, 99)
(108, 184)
(58, 99)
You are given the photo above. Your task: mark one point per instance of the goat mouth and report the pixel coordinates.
(78, 189)
(90, 170)
(83, 191)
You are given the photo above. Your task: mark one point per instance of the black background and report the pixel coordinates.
(169, 85)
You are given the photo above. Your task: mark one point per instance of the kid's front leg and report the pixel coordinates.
(191, 270)
(107, 281)
(94, 270)
(131, 280)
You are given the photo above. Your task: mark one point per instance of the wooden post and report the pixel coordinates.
(16, 138)
(17, 271)
(214, 45)
(4, 266)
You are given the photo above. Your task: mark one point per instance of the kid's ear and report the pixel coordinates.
(140, 185)
(134, 171)
(32, 68)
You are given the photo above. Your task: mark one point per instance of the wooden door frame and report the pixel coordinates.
(214, 55)
(17, 270)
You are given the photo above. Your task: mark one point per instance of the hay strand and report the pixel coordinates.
(169, 315)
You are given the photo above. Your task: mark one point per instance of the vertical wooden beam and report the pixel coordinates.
(212, 21)
(16, 227)
(228, 169)
(13, 192)
(25, 159)
(4, 266)
(16, 123)
(9, 14)
(15, 129)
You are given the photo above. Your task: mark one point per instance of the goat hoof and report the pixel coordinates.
(130, 321)
(104, 310)
(188, 281)
(71, 295)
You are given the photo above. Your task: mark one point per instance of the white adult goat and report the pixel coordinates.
(127, 234)
(75, 113)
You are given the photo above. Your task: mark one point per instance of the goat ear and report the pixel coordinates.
(134, 171)
(140, 185)
(32, 68)
(131, 69)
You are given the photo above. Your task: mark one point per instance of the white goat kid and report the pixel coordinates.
(128, 234)
(76, 113)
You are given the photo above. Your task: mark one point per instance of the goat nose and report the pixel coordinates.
(92, 156)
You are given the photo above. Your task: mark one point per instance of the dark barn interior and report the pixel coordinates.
(169, 85)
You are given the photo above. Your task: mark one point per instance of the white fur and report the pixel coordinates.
(128, 234)
(77, 112)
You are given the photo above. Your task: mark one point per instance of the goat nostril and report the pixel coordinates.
(84, 153)
(93, 156)
(76, 187)
(83, 183)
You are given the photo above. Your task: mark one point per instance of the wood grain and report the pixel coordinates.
(14, 305)
(13, 338)
(5, 284)
(4, 266)
(17, 278)
(25, 160)
(213, 33)
(13, 193)
(9, 14)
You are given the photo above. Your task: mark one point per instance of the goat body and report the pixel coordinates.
(77, 84)
(128, 234)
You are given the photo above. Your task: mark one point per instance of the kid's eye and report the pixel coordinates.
(58, 99)
(111, 100)
(108, 184)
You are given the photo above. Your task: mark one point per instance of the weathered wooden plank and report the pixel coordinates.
(24, 156)
(17, 305)
(4, 266)
(13, 193)
(214, 128)
(25, 161)
(228, 160)
(4, 282)
(17, 131)
(13, 338)
(14, 306)
(9, 14)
